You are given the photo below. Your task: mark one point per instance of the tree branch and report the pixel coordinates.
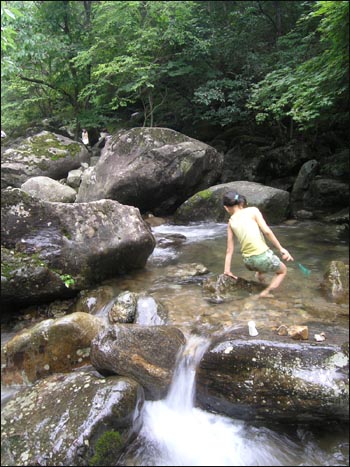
(267, 16)
(39, 81)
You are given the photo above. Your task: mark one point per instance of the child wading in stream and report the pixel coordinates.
(249, 226)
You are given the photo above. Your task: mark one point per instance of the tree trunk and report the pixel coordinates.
(150, 101)
(291, 128)
(278, 18)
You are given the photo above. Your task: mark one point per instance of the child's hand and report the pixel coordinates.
(286, 255)
(230, 274)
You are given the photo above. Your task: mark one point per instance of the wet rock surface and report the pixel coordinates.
(271, 377)
(59, 420)
(146, 353)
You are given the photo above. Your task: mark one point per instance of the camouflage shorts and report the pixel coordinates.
(266, 262)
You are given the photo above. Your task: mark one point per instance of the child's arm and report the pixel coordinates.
(271, 236)
(229, 253)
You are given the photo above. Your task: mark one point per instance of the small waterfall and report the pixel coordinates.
(180, 397)
(176, 433)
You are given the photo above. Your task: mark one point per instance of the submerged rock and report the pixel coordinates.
(335, 284)
(221, 288)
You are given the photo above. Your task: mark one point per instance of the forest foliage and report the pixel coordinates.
(284, 64)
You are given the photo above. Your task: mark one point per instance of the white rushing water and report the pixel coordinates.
(193, 232)
(176, 433)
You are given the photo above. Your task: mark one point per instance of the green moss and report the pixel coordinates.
(107, 449)
(49, 146)
(191, 202)
(66, 233)
(74, 148)
(205, 194)
(12, 260)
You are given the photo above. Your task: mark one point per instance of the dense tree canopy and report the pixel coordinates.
(175, 63)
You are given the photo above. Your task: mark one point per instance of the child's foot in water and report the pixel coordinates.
(265, 294)
(258, 296)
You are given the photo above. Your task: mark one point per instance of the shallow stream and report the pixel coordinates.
(206, 244)
(175, 432)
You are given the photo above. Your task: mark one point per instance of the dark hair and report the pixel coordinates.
(232, 198)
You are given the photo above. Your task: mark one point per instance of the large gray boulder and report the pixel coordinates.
(44, 154)
(51, 346)
(154, 169)
(206, 205)
(26, 280)
(257, 378)
(48, 189)
(144, 353)
(320, 189)
(87, 242)
(60, 420)
(302, 183)
(327, 195)
(256, 159)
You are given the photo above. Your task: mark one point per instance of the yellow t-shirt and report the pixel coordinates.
(248, 233)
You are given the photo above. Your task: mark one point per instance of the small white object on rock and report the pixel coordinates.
(320, 337)
(252, 329)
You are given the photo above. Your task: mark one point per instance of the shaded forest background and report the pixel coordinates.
(199, 67)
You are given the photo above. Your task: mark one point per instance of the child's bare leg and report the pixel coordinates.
(260, 276)
(276, 281)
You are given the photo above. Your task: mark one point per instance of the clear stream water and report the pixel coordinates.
(205, 243)
(174, 431)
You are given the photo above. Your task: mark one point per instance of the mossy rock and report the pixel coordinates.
(107, 449)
